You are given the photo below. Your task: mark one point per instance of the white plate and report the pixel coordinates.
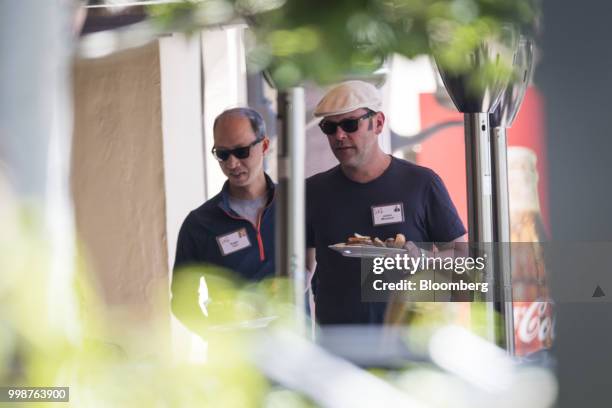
(245, 324)
(366, 251)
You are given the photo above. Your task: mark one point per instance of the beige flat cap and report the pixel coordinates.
(347, 97)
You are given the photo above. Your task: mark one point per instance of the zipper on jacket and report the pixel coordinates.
(260, 245)
(262, 254)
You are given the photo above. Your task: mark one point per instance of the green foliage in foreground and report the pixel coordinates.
(297, 40)
(55, 330)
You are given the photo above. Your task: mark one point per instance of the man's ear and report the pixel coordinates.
(379, 122)
(266, 144)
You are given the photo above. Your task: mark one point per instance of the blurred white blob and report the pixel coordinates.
(493, 378)
(300, 365)
(101, 44)
(203, 299)
(471, 358)
(119, 5)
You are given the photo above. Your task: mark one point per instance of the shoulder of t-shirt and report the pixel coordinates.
(415, 170)
(322, 177)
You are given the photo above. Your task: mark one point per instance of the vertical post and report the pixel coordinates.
(290, 213)
(478, 171)
(501, 119)
(480, 205)
(484, 162)
(501, 210)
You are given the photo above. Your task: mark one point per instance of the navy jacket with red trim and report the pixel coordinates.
(198, 244)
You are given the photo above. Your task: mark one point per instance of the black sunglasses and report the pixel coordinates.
(239, 152)
(348, 125)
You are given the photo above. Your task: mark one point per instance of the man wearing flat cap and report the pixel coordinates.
(371, 193)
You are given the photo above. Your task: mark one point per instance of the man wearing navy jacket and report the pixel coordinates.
(234, 229)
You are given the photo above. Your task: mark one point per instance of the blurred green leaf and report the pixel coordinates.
(301, 40)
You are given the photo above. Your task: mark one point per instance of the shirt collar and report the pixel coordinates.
(271, 192)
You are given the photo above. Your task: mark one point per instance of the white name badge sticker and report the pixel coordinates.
(388, 214)
(234, 241)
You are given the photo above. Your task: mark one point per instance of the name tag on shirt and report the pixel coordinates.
(234, 241)
(388, 214)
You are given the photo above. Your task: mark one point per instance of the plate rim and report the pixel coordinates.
(385, 250)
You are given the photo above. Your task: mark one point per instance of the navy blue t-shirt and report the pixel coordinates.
(338, 207)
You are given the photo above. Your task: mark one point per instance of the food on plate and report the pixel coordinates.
(360, 240)
(398, 242)
(378, 242)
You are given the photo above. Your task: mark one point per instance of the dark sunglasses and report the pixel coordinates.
(239, 152)
(348, 125)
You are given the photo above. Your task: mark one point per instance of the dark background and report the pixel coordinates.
(575, 75)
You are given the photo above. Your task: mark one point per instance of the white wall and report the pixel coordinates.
(181, 94)
(183, 144)
(224, 87)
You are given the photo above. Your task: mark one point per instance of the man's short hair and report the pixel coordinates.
(257, 123)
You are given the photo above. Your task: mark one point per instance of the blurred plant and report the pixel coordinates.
(298, 40)
(113, 363)
(105, 370)
(230, 301)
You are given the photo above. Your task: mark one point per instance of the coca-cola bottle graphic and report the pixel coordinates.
(533, 313)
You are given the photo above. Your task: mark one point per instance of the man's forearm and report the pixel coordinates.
(311, 265)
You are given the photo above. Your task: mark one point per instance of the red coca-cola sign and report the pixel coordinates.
(533, 326)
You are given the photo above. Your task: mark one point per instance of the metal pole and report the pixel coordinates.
(290, 215)
(485, 162)
(501, 210)
(501, 119)
(282, 194)
(478, 171)
(480, 205)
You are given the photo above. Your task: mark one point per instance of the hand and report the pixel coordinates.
(413, 250)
